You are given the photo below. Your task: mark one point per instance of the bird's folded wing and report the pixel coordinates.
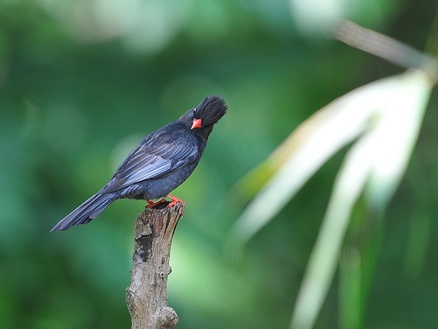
(151, 162)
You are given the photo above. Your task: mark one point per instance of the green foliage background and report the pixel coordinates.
(81, 82)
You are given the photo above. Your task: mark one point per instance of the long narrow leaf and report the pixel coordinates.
(379, 157)
(322, 264)
(309, 146)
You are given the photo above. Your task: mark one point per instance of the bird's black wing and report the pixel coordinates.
(156, 156)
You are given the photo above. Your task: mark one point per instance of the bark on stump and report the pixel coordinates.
(146, 296)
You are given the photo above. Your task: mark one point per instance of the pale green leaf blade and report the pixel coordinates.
(308, 147)
(396, 130)
(379, 156)
(323, 261)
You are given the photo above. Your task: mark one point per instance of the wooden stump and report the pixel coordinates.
(146, 296)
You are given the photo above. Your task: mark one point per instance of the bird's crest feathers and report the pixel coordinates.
(211, 109)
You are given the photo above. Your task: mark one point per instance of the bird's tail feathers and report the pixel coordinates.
(87, 211)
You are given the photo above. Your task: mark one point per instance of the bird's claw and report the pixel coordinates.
(152, 204)
(173, 202)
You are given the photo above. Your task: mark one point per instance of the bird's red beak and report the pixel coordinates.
(197, 123)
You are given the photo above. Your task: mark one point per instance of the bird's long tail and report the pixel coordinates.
(87, 211)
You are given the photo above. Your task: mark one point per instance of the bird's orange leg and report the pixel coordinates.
(174, 201)
(152, 204)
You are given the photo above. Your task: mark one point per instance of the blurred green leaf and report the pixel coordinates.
(378, 157)
(385, 116)
(373, 107)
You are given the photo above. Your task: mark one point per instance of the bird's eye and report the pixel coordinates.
(194, 111)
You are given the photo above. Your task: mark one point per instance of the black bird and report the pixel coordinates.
(161, 162)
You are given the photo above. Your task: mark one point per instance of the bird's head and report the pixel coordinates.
(206, 114)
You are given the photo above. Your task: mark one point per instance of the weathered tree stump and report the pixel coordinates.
(146, 296)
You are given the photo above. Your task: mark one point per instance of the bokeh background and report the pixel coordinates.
(81, 82)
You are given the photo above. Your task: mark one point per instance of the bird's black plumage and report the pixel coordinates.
(160, 163)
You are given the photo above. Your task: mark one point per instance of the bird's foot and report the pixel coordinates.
(152, 204)
(174, 201)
